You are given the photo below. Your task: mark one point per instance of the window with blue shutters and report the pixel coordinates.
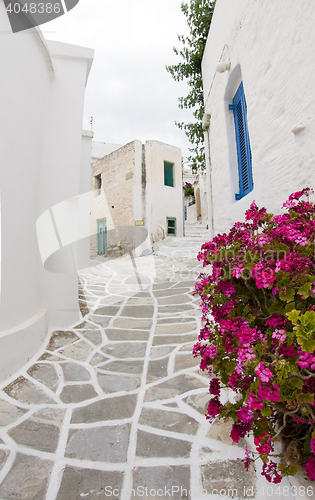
(244, 156)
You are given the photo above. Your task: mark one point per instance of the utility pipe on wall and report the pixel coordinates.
(206, 129)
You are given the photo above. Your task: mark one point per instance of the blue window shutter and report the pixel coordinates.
(244, 155)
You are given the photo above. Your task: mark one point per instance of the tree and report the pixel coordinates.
(199, 15)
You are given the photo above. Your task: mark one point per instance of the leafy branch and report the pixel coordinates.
(199, 15)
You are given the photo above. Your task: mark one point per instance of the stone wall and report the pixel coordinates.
(119, 173)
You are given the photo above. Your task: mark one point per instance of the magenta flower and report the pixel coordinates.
(214, 408)
(310, 468)
(256, 269)
(280, 335)
(271, 473)
(245, 415)
(263, 373)
(214, 387)
(211, 352)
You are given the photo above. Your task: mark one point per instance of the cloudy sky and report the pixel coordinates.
(129, 93)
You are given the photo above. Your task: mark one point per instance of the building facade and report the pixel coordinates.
(42, 94)
(136, 198)
(196, 206)
(259, 122)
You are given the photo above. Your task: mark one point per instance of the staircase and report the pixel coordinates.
(196, 230)
(185, 247)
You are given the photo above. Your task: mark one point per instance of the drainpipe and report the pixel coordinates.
(206, 129)
(183, 198)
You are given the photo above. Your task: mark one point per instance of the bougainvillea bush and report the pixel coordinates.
(258, 339)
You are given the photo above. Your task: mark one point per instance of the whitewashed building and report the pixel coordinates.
(43, 170)
(196, 207)
(258, 75)
(136, 197)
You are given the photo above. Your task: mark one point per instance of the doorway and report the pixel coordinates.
(102, 237)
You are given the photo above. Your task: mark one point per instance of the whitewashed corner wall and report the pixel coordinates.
(271, 49)
(40, 127)
(163, 201)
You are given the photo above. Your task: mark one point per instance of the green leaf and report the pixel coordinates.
(291, 470)
(308, 319)
(304, 290)
(229, 366)
(307, 445)
(307, 345)
(277, 307)
(296, 382)
(289, 307)
(305, 398)
(293, 316)
(288, 296)
(224, 378)
(266, 411)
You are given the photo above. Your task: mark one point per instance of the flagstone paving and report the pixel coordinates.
(114, 406)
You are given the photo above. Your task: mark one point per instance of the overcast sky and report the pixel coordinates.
(129, 92)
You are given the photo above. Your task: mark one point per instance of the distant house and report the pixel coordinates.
(196, 205)
(136, 197)
(258, 77)
(43, 165)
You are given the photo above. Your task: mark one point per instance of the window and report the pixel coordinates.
(171, 226)
(98, 183)
(244, 156)
(168, 174)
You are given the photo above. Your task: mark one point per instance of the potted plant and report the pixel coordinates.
(258, 338)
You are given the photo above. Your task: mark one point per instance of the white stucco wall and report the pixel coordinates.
(40, 148)
(270, 48)
(163, 201)
(198, 211)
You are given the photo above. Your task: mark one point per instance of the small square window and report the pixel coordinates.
(171, 226)
(98, 183)
(168, 174)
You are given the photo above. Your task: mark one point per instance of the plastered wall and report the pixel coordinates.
(271, 49)
(163, 201)
(42, 93)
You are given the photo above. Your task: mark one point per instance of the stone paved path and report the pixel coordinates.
(114, 407)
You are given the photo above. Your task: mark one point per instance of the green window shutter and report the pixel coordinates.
(102, 237)
(168, 174)
(171, 226)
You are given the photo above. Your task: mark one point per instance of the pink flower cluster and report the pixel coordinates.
(310, 468)
(262, 272)
(307, 360)
(271, 473)
(263, 443)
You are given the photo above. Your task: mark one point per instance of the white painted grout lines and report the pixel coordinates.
(107, 286)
